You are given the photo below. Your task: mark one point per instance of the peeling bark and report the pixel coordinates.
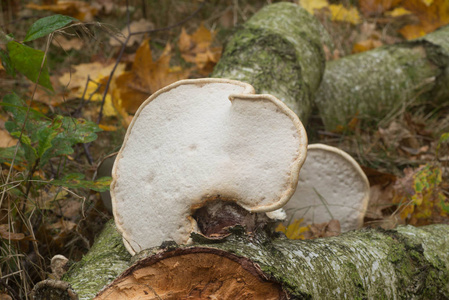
(408, 262)
(278, 51)
(376, 84)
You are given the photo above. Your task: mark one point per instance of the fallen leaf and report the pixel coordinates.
(312, 5)
(397, 135)
(6, 140)
(327, 229)
(135, 26)
(343, 14)
(80, 10)
(431, 15)
(196, 48)
(377, 7)
(145, 77)
(419, 195)
(7, 235)
(293, 231)
(108, 127)
(398, 12)
(380, 204)
(366, 45)
(4, 296)
(95, 71)
(68, 44)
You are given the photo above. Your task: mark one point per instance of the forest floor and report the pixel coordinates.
(50, 202)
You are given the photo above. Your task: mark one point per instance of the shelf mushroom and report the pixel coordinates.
(196, 141)
(331, 186)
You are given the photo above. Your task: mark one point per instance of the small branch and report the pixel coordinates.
(122, 50)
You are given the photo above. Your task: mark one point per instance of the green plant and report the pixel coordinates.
(43, 143)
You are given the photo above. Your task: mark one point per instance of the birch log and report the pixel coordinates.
(376, 84)
(409, 262)
(279, 52)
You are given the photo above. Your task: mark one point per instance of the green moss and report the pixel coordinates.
(279, 51)
(106, 259)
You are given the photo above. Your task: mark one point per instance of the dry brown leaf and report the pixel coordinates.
(381, 202)
(80, 10)
(431, 16)
(377, 7)
(397, 135)
(6, 140)
(136, 26)
(145, 77)
(4, 296)
(7, 235)
(196, 48)
(328, 229)
(68, 44)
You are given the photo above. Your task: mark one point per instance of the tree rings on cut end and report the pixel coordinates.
(193, 273)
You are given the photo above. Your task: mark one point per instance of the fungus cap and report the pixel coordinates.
(200, 140)
(331, 186)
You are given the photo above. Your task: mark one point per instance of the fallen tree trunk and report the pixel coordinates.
(408, 262)
(376, 84)
(279, 52)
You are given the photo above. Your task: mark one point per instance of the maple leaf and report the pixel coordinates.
(196, 48)
(77, 9)
(145, 77)
(431, 15)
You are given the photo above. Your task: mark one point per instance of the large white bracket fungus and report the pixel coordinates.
(331, 186)
(200, 140)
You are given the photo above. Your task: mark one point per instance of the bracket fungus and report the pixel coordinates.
(331, 186)
(196, 141)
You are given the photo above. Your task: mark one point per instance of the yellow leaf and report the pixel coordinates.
(427, 2)
(366, 45)
(312, 5)
(343, 14)
(95, 71)
(398, 12)
(293, 231)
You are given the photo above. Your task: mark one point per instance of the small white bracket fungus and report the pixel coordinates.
(331, 186)
(200, 140)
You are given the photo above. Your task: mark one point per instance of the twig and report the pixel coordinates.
(11, 291)
(122, 50)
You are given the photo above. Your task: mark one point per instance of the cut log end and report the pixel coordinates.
(196, 273)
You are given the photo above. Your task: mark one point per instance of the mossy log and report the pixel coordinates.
(376, 84)
(278, 51)
(406, 263)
